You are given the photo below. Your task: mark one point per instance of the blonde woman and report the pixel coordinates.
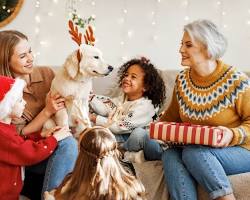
(16, 61)
(98, 173)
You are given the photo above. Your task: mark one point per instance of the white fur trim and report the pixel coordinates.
(11, 98)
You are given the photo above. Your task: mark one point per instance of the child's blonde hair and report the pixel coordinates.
(98, 174)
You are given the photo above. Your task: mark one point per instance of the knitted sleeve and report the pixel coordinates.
(26, 152)
(139, 115)
(102, 105)
(171, 114)
(242, 132)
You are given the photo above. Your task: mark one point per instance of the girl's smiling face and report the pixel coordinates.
(133, 82)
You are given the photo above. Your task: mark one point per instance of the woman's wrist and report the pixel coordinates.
(47, 113)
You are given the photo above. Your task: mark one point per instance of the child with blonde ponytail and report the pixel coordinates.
(98, 174)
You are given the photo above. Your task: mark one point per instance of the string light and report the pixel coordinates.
(124, 32)
(37, 4)
(120, 20)
(50, 14)
(37, 31)
(128, 34)
(248, 24)
(186, 18)
(222, 12)
(155, 37)
(186, 5)
(154, 15)
(71, 7)
(38, 19)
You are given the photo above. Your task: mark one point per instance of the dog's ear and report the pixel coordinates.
(71, 65)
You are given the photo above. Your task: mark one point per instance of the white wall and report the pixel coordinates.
(231, 15)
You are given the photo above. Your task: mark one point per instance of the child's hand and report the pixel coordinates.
(92, 117)
(49, 195)
(54, 103)
(62, 133)
(50, 132)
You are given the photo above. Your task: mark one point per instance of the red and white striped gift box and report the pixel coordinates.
(185, 133)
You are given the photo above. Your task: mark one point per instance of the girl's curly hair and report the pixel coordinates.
(153, 82)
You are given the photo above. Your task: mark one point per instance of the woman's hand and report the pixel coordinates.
(53, 103)
(226, 137)
(50, 131)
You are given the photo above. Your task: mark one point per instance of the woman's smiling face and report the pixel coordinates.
(193, 53)
(21, 62)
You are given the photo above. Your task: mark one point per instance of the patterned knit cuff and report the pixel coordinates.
(239, 136)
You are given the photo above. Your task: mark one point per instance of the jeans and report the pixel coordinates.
(151, 148)
(134, 140)
(58, 165)
(187, 166)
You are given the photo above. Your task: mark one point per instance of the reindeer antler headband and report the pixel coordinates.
(77, 37)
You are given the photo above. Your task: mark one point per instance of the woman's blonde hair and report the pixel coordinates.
(98, 174)
(8, 41)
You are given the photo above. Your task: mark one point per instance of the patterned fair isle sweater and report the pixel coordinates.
(220, 99)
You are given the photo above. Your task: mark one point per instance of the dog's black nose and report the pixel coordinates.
(110, 68)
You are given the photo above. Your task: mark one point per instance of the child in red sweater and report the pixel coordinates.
(16, 150)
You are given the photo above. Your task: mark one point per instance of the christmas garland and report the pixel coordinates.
(81, 22)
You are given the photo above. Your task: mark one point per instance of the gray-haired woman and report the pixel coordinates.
(207, 92)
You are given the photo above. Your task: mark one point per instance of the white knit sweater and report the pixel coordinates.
(120, 115)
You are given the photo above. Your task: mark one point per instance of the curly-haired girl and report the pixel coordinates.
(98, 174)
(143, 93)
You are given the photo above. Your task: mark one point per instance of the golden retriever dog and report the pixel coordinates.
(74, 82)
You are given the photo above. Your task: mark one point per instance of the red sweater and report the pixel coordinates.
(16, 152)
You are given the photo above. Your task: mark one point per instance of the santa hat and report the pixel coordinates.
(11, 90)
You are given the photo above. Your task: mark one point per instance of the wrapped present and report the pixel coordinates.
(185, 133)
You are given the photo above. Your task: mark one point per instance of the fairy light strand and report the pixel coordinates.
(37, 19)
